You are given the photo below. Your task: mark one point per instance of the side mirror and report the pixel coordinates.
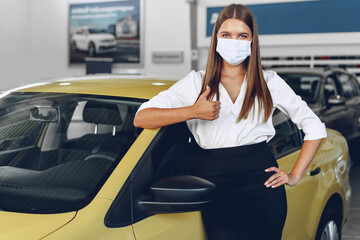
(336, 100)
(178, 194)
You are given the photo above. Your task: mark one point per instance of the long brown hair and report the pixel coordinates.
(256, 85)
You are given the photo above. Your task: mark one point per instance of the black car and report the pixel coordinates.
(334, 95)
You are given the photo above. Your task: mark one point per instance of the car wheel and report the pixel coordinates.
(73, 46)
(329, 226)
(92, 50)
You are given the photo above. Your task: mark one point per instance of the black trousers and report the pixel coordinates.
(243, 208)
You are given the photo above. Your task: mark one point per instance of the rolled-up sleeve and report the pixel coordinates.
(182, 94)
(286, 100)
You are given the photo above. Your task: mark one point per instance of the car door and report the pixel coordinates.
(286, 148)
(81, 38)
(156, 163)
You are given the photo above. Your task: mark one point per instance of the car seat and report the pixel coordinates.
(105, 142)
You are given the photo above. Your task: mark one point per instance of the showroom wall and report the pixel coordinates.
(34, 40)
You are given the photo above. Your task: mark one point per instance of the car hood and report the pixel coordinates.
(31, 226)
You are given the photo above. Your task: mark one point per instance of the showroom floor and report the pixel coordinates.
(352, 227)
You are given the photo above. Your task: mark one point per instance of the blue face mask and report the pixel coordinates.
(233, 51)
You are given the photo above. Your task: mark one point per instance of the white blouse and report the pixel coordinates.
(225, 131)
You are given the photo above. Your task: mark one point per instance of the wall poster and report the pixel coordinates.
(107, 30)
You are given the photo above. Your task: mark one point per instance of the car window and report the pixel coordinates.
(56, 150)
(356, 87)
(20, 134)
(80, 31)
(305, 85)
(348, 88)
(172, 152)
(288, 138)
(330, 88)
(97, 30)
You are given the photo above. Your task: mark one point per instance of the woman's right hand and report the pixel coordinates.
(159, 117)
(204, 109)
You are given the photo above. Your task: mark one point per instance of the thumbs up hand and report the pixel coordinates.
(204, 109)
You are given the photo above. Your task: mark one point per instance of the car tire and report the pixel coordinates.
(329, 226)
(91, 49)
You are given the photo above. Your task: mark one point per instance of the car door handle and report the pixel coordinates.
(315, 171)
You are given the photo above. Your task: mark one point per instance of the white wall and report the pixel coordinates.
(34, 37)
(167, 28)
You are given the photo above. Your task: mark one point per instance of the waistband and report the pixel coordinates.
(235, 151)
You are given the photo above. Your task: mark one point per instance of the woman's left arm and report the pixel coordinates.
(288, 102)
(307, 154)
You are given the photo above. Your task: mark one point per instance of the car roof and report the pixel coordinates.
(317, 71)
(140, 87)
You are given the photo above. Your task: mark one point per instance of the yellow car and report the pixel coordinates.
(73, 166)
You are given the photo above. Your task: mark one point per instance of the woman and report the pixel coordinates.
(251, 200)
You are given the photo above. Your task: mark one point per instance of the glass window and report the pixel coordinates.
(172, 152)
(287, 138)
(305, 85)
(330, 89)
(355, 84)
(80, 31)
(348, 89)
(56, 150)
(97, 30)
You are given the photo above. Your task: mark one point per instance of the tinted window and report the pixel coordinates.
(348, 88)
(330, 88)
(304, 85)
(172, 152)
(287, 138)
(81, 31)
(355, 85)
(56, 150)
(97, 30)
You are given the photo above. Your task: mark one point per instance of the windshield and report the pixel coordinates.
(97, 30)
(57, 150)
(305, 85)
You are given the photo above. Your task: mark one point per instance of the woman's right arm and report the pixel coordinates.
(159, 117)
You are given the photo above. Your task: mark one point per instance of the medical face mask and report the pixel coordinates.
(233, 51)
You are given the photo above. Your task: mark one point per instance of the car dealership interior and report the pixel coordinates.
(74, 73)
